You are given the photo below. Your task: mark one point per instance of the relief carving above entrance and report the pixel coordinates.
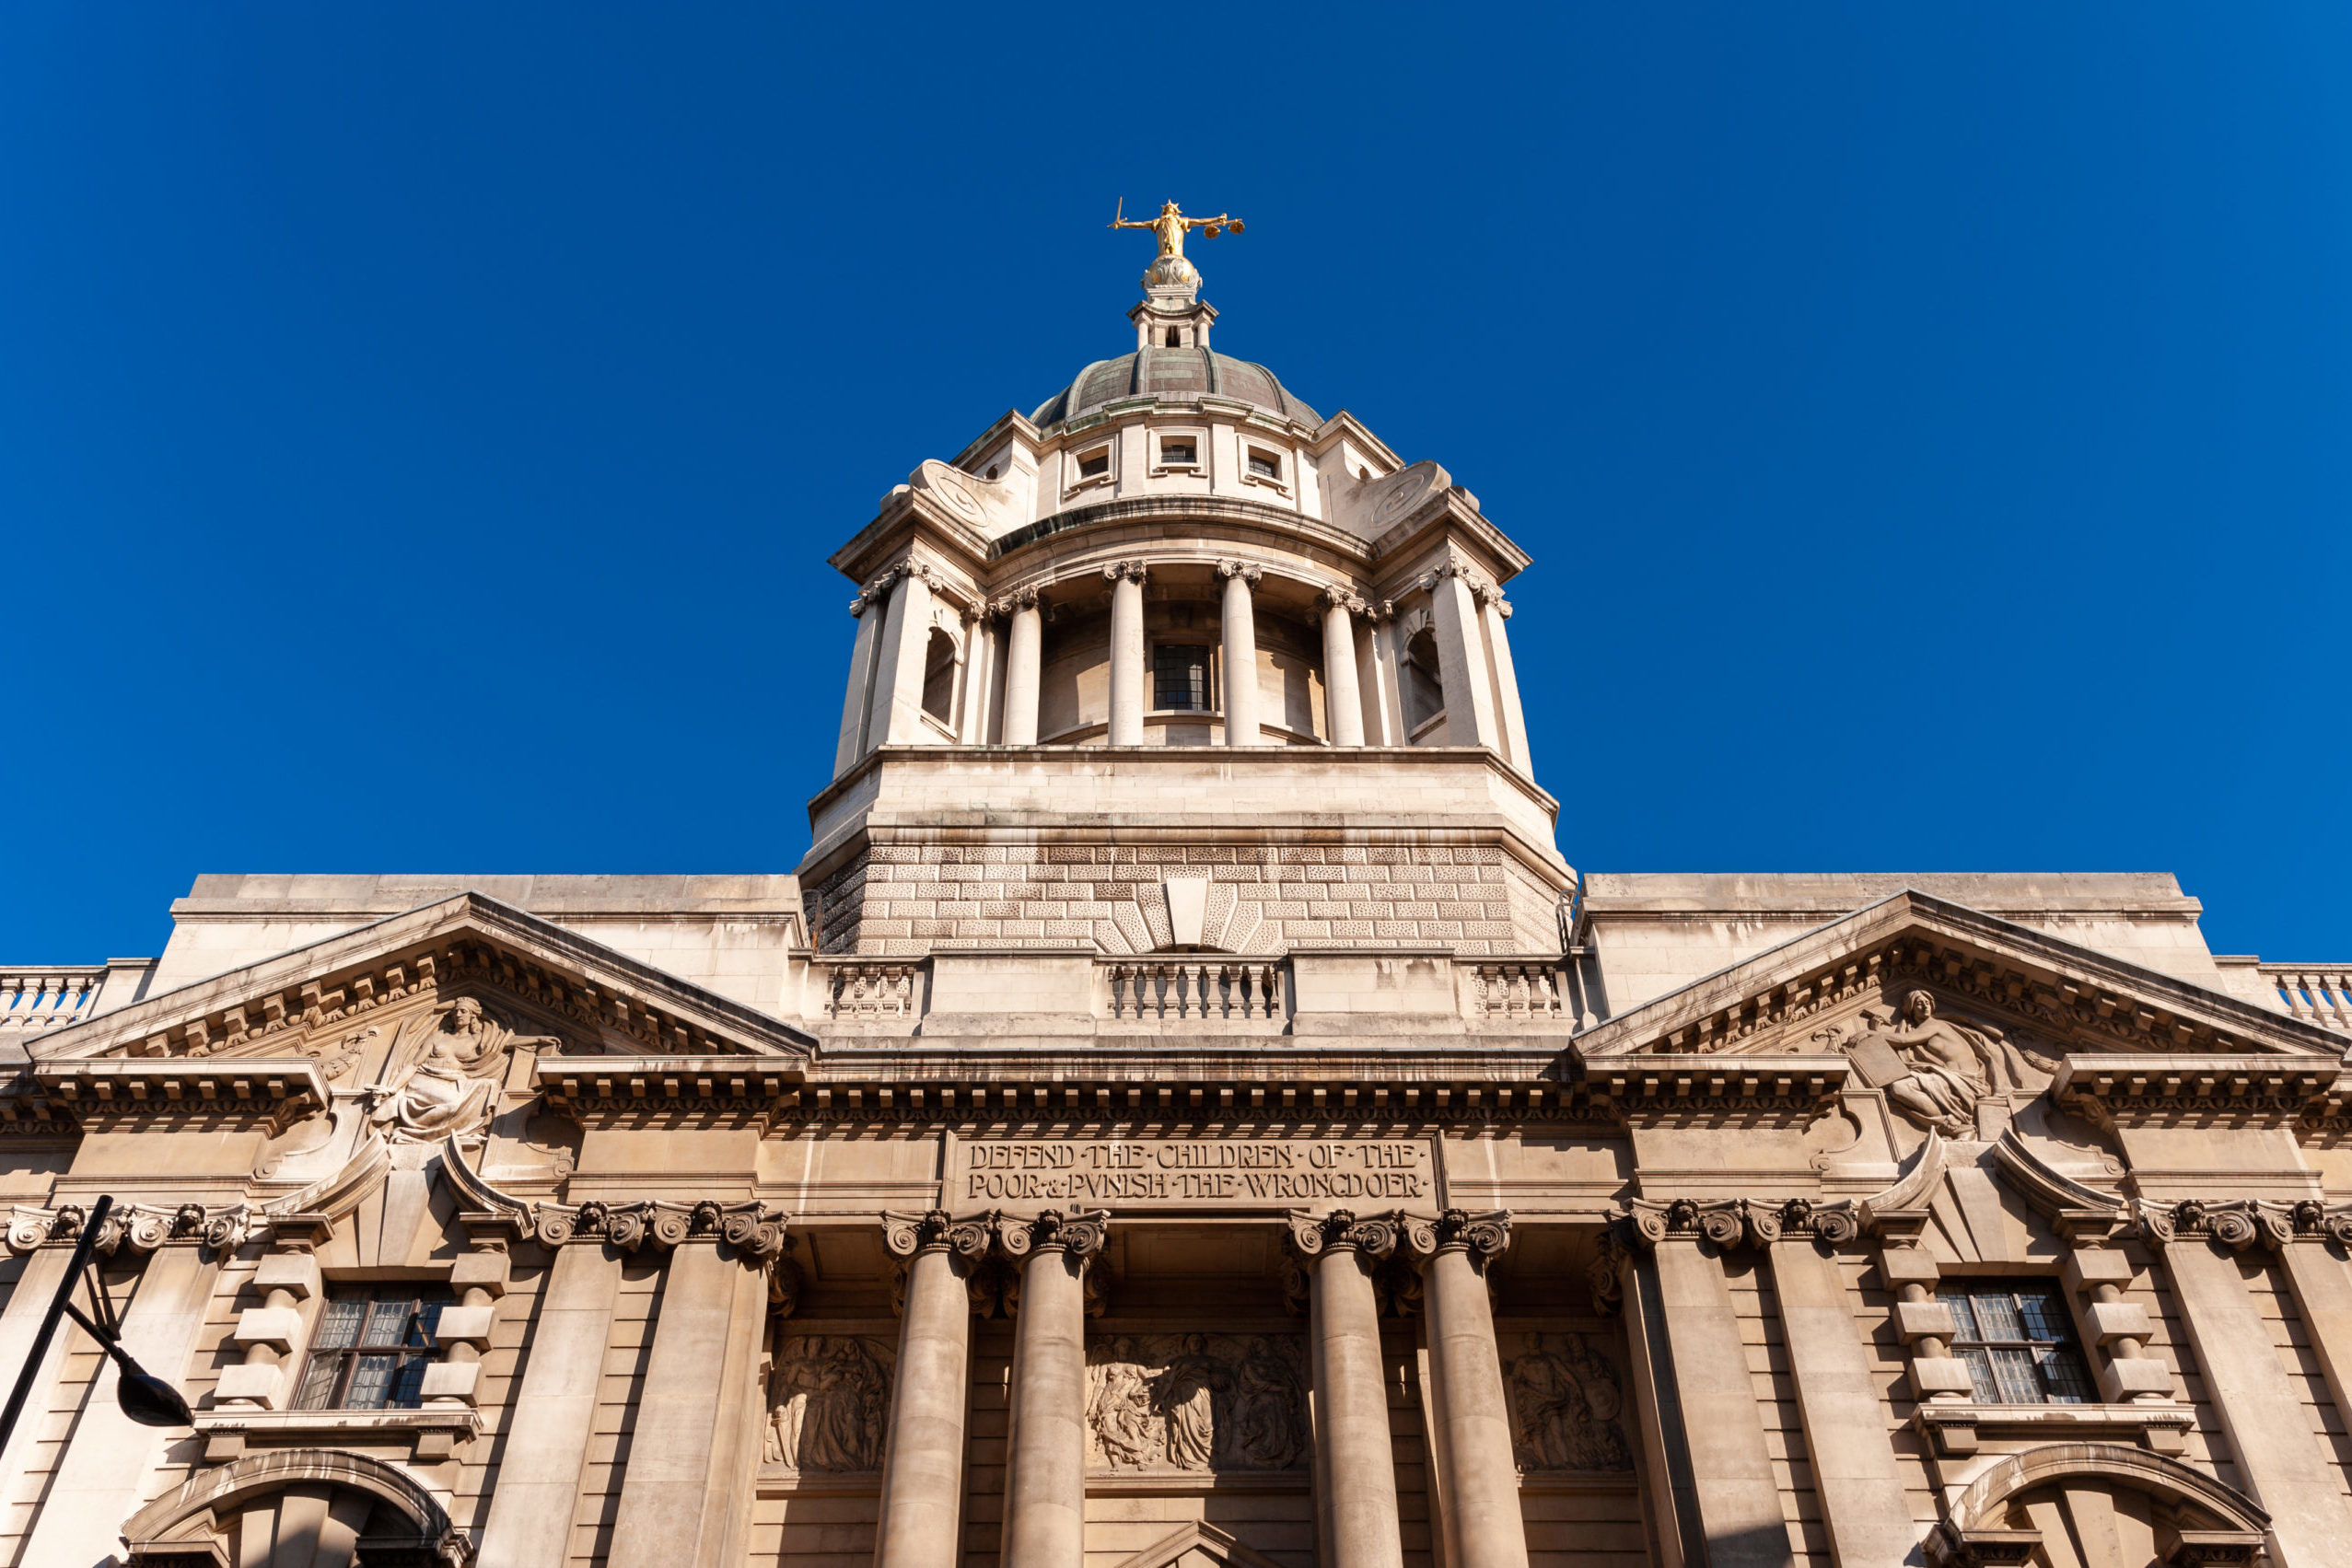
(1566, 1405)
(828, 1403)
(1169, 1403)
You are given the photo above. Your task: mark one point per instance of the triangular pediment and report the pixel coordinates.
(1197, 1545)
(1813, 993)
(538, 979)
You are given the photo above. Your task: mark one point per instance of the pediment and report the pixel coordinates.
(535, 978)
(2049, 998)
(1198, 1545)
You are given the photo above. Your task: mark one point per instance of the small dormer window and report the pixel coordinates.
(1179, 450)
(1264, 464)
(1094, 464)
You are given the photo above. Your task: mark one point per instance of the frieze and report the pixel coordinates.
(1139, 1173)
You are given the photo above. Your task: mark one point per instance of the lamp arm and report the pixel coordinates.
(58, 1307)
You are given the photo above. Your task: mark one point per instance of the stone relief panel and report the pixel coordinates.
(444, 1075)
(1933, 1070)
(1567, 1406)
(1197, 1402)
(828, 1403)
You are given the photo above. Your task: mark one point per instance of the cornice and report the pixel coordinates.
(2064, 991)
(1658, 1090)
(1242, 519)
(2203, 1090)
(270, 1093)
(469, 939)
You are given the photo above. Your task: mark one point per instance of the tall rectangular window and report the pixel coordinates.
(371, 1349)
(1179, 677)
(2018, 1342)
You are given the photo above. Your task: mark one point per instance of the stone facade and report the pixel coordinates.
(1185, 1110)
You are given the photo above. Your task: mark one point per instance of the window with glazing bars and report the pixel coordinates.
(2018, 1342)
(371, 1350)
(1179, 677)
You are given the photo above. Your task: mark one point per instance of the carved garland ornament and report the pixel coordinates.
(1734, 1223)
(146, 1226)
(2241, 1223)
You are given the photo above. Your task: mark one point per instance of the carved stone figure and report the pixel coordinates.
(1565, 1405)
(450, 1076)
(1197, 1402)
(1933, 1071)
(829, 1402)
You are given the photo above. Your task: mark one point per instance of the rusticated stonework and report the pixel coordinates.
(908, 899)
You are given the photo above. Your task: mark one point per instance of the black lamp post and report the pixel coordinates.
(145, 1398)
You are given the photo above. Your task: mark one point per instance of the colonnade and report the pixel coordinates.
(1355, 1475)
(1362, 652)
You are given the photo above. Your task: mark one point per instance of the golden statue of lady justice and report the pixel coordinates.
(1170, 269)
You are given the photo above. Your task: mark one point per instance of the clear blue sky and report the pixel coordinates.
(421, 428)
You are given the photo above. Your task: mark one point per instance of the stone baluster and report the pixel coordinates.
(1024, 666)
(1241, 657)
(1511, 718)
(1355, 1463)
(1045, 1438)
(1469, 1420)
(1127, 672)
(922, 1504)
(1343, 700)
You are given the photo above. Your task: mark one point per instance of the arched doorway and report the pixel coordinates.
(297, 1508)
(2096, 1506)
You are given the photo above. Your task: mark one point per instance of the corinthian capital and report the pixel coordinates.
(1247, 571)
(1128, 571)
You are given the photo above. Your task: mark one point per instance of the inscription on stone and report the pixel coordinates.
(1238, 1172)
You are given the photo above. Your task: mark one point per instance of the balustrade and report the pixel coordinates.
(2317, 994)
(49, 998)
(871, 988)
(1182, 988)
(1516, 988)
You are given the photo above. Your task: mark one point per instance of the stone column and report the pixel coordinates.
(856, 703)
(979, 666)
(1355, 1461)
(1469, 1418)
(1045, 1439)
(1343, 700)
(896, 716)
(552, 1408)
(102, 1473)
(1493, 610)
(1024, 648)
(1838, 1399)
(1127, 672)
(683, 1493)
(922, 1505)
(1241, 657)
(1461, 660)
(1719, 1490)
(1376, 672)
(2279, 1458)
